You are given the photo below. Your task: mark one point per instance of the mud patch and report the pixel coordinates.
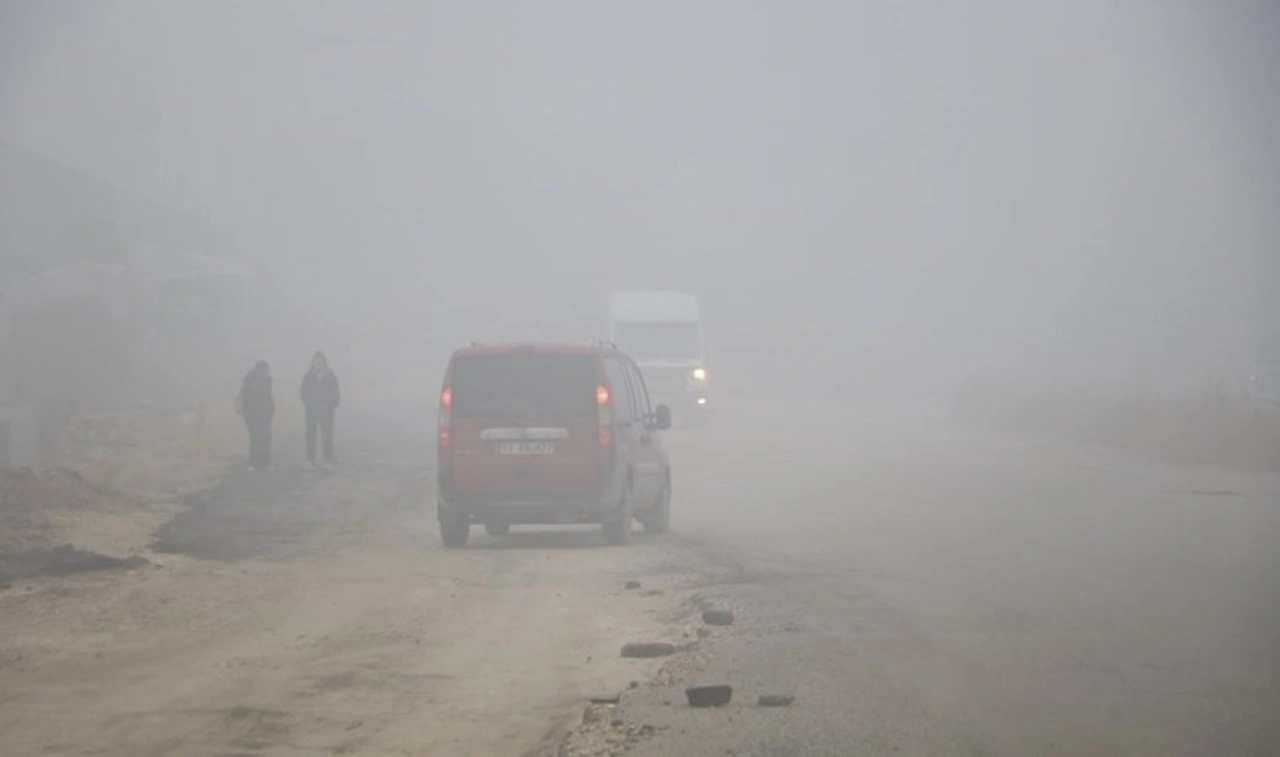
(61, 561)
(247, 515)
(285, 513)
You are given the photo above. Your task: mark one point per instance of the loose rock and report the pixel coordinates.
(631, 585)
(775, 700)
(605, 698)
(709, 696)
(717, 618)
(650, 649)
(597, 713)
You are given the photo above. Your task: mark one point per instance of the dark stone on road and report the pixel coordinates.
(651, 649)
(613, 698)
(717, 618)
(631, 585)
(776, 700)
(709, 696)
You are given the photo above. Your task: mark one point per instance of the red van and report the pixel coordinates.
(540, 434)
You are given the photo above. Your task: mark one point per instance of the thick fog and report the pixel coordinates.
(862, 194)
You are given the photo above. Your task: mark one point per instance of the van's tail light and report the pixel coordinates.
(604, 414)
(444, 437)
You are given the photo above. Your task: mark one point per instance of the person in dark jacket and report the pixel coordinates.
(321, 397)
(257, 405)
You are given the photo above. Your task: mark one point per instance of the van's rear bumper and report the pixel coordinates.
(525, 509)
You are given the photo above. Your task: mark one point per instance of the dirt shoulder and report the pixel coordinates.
(1214, 429)
(293, 614)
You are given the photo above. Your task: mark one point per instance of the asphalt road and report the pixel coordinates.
(926, 589)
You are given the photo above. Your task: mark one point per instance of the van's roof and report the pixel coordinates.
(540, 348)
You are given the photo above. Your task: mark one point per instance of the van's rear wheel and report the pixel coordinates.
(454, 533)
(658, 520)
(497, 528)
(617, 527)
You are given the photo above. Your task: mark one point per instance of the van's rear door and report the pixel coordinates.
(525, 423)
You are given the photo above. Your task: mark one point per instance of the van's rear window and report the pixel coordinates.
(524, 386)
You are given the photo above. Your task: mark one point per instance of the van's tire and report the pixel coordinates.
(500, 528)
(617, 527)
(454, 533)
(658, 520)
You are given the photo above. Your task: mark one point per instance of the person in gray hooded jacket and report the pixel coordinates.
(321, 396)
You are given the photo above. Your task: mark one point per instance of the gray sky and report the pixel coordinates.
(1088, 173)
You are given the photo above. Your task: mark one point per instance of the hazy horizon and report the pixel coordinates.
(1087, 189)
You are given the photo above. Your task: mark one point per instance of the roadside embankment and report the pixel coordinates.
(122, 476)
(1214, 429)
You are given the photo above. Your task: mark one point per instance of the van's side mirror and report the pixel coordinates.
(662, 418)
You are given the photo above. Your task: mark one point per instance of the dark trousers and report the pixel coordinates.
(320, 421)
(259, 441)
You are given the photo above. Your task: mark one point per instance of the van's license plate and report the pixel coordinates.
(526, 448)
